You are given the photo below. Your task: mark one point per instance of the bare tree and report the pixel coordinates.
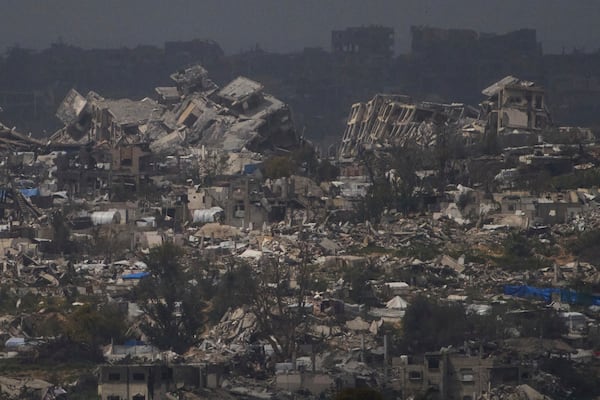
(277, 297)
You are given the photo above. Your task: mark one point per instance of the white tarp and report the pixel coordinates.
(207, 215)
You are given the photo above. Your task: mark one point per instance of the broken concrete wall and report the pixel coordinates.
(71, 108)
(238, 117)
(515, 106)
(396, 120)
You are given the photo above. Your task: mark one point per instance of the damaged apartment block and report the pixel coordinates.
(120, 139)
(515, 111)
(514, 114)
(240, 116)
(396, 120)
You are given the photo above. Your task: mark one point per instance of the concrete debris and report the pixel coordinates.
(520, 392)
(392, 120)
(236, 117)
(335, 257)
(36, 388)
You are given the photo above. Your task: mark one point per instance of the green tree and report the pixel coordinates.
(269, 292)
(171, 299)
(278, 167)
(306, 158)
(518, 253)
(94, 325)
(358, 277)
(326, 171)
(214, 165)
(428, 325)
(583, 381)
(231, 291)
(61, 242)
(449, 147)
(546, 324)
(377, 199)
(393, 180)
(81, 334)
(586, 246)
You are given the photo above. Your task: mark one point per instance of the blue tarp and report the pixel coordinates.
(566, 295)
(30, 192)
(137, 275)
(15, 342)
(249, 169)
(573, 297)
(133, 342)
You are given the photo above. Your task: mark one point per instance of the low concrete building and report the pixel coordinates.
(149, 381)
(454, 375)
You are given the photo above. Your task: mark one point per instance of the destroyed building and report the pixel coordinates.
(151, 381)
(94, 119)
(193, 163)
(195, 118)
(396, 120)
(456, 376)
(11, 140)
(515, 109)
(514, 114)
(236, 117)
(320, 84)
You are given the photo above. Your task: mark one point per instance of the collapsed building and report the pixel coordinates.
(444, 254)
(239, 116)
(397, 120)
(515, 111)
(12, 140)
(125, 141)
(514, 114)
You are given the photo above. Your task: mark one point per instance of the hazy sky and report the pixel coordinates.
(284, 25)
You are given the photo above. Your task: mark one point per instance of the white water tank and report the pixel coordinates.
(207, 215)
(106, 217)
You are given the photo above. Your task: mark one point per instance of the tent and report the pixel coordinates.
(397, 303)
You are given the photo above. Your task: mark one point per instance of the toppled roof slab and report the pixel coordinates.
(71, 108)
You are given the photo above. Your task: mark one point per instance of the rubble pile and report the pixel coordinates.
(195, 114)
(220, 174)
(521, 392)
(394, 120)
(236, 326)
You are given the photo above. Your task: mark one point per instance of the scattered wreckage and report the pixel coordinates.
(66, 234)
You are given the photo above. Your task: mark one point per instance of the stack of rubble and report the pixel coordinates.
(237, 117)
(396, 120)
(521, 392)
(12, 140)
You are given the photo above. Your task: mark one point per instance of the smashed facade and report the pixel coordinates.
(456, 376)
(239, 116)
(395, 120)
(336, 286)
(514, 114)
(124, 142)
(515, 107)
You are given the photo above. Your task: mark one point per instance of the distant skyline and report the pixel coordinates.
(284, 25)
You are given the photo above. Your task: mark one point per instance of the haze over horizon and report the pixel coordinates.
(282, 25)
